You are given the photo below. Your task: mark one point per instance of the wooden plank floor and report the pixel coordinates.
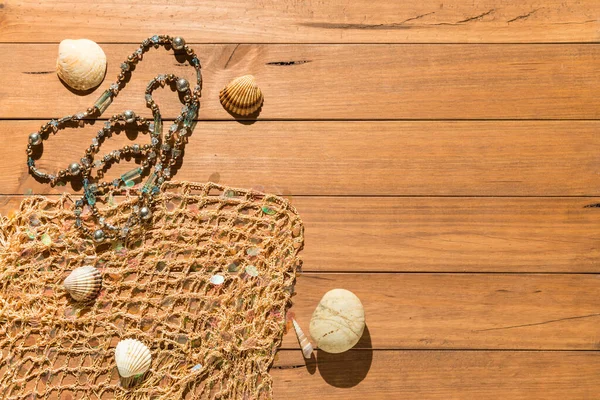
(443, 155)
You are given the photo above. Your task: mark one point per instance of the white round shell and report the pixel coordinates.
(81, 63)
(132, 357)
(338, 322)
(83, 283)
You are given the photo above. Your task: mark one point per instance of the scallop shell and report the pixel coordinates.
(305, 344)
(84, 283)
(81, 63)
(133, 358)
(241, 96)
(338, 322)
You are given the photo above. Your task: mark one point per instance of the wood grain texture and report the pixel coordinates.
(464, 311)
(372, 21)
(378, 234)
(336, 81)
(468, 242)
(438, 375)
(495, 158)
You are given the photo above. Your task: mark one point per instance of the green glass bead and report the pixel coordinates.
(150, 182)
(188, 122)
(157, 124)
(104, 101)
(90, 192)
(90, 197)
(130, 177)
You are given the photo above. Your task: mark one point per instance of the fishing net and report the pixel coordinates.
(208, 340)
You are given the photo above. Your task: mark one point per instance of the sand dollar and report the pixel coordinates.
(338, 322)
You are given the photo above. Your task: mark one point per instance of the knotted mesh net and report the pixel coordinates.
(207, 339)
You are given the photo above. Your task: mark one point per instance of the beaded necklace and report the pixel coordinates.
(156, 158)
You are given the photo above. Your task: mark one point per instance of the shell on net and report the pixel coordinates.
(81, 63)
(305, 344)
(133, 358)
(83, 283)
(241, 96)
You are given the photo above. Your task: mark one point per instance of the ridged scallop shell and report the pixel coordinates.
(133, 358)
(305, 344)
(241, 96)
(84, 283)
(81, 63)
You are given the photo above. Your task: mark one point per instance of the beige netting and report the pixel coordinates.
(207, 341)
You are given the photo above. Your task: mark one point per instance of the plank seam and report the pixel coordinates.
(593, 43)
(389, 196)
(593, 351)
(424, 120)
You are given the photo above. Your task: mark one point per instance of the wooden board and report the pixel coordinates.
(462, 234)
(464, 311)
(438, 375)
(336, 81)
(443, 156)
(499, 158)
(373, 21)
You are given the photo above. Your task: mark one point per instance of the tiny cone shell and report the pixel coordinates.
(133, 358)
(83, 283)
(81, 63)
(305, 344)
(241, 96)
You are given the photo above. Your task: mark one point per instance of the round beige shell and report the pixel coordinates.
(241, 96)
(338, 322)
(81, 63)
(132, 357)
(83, 283)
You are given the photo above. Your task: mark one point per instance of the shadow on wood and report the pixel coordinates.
(245, 119)
(348, 369)
(311, 364)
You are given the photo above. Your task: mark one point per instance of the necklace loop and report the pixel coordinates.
(156, 159)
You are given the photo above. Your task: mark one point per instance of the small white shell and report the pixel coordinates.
(305, 344)
(83, 283)
(338, 322)
(132, 357)
(81, 63)
(217, 279)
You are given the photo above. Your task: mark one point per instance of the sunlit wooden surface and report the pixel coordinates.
(444, 156)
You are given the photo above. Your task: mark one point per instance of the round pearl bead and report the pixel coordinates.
(182, 85)
(145, 213)
(178, 43)
(99, 235)
(129, 116)
(35, 138)
(74, 169)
